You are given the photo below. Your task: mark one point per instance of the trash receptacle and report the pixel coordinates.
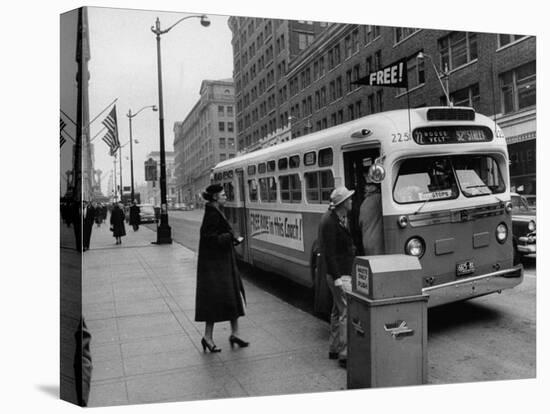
(387, 323)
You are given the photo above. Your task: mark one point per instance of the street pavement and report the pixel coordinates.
(138, 302)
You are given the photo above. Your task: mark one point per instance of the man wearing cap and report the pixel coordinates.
(337, 251)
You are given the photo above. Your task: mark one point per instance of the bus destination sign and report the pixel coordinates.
(452, 135)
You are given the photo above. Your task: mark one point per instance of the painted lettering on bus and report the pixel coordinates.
(284, 229)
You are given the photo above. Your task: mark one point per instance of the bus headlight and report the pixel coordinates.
(532, 226)
(502, 233)
(415, 247)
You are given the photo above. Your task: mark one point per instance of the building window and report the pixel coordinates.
(348, 47)
(221, 126)
(371, 33)
(506, 39)
(370, 103)
(223, 157)
(379, 100)
(230, 127)
(231, 142)
(222, 143)
(339, 91)
(355, 40)
(304, 40)
(518, 88)
(415, 73)
(457, 49)
(401, 33)
(358, 109)
(221, 111)
(465, 97)
(378, 60)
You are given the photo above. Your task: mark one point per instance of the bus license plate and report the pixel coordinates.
(465, 268)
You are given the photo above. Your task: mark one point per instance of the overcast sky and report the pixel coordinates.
(123, 65)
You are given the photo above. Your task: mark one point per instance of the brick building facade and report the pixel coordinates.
(494, 73)
(206, 137)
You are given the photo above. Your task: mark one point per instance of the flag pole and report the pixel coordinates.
(107, 107)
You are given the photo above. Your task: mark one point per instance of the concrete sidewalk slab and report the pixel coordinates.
(139, 304)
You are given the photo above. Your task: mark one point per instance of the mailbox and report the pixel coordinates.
(387, 323)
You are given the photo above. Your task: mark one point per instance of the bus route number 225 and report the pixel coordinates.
(400, 137)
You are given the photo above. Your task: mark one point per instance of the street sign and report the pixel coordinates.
(394, 75)
(150, 170)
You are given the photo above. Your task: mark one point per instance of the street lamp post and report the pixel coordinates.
(443, 74)
(130, 116)
(164, 232)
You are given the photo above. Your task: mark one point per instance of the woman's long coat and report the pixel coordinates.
(220, 292)
(117, 222)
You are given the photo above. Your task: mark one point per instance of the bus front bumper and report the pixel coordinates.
(472, 287)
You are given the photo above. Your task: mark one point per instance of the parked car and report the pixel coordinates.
(524, 226)
(531, 200)
(147, 213)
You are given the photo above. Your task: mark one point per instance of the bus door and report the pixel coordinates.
(356, 166)
(242, 218)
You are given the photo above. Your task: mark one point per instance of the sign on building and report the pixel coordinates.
(393, 75)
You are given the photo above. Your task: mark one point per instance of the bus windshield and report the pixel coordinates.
(440, 178)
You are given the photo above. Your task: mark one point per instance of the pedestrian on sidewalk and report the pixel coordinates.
(134, 216)
(117, 223)
(220, 293)
(88, 224)
(337, 252)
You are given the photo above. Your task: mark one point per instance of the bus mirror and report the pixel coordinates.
(377, 173)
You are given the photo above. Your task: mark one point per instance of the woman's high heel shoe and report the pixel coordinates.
(236, 340)
(212, 348)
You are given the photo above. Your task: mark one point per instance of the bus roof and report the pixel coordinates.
(371, 128)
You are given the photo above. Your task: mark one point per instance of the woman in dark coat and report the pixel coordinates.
(220, 292)
(134, 216)
(117, 223)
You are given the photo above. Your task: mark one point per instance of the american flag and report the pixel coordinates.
(61, 137)
(110, 123)
(109, 139)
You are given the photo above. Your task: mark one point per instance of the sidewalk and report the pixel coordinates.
(138, 301)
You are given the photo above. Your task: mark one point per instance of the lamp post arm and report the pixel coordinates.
(131, 115)
(157, 30)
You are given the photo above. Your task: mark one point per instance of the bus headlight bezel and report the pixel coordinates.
(417, 244)
(501, 233)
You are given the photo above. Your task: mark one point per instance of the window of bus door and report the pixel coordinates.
(229, 191)
(253, 190)
(268, 189)
(291, 188)
(478, 175)
(319, 185)
(425, 179)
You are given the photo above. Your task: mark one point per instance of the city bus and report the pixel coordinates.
(445, 194)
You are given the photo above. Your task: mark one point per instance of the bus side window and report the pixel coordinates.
(268, 189)
(252, 190)
(229, 191)
(319, 185)
(291, 188)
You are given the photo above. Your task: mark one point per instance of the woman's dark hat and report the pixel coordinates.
(214, 189)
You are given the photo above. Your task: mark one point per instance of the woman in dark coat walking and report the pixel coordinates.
(220, 293)
(117, 223)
